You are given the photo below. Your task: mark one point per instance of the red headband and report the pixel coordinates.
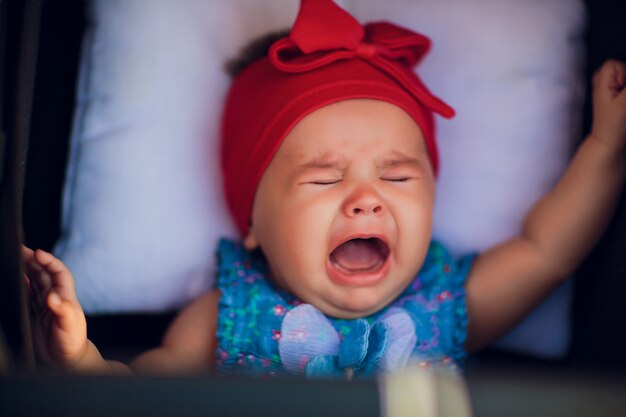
(327, 57)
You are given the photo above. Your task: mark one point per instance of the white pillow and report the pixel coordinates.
(143, 205)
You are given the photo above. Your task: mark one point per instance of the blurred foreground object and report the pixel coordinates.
(424, 392)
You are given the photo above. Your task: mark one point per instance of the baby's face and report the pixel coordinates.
(344, 211)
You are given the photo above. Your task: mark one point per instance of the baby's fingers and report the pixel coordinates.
(61, 280)
(49, 262)
(68, 318)
(27, 254)
(63, 310)
(38, 284)
(610, 80)
(68, 332)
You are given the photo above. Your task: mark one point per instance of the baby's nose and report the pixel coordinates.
(364, 201)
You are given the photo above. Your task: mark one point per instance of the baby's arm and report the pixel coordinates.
(57, 319)
(60, 330)
(507, 281)
(189, 343)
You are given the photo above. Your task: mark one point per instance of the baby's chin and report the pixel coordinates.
(352, 307)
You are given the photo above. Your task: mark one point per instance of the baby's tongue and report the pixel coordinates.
(357, 255)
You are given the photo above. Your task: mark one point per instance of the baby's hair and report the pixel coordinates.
(256, 49)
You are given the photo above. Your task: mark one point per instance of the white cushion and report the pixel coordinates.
(143, 205)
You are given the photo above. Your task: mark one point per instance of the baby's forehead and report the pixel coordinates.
(335, 159)
(316, 159)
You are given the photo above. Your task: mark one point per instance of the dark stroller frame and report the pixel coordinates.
(39, 54)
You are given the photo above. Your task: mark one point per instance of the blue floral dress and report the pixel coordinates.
(263, 330)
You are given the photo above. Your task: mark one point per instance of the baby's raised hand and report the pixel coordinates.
(58, 322)
(609, 105)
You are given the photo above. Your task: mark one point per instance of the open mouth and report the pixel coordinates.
(360, 256)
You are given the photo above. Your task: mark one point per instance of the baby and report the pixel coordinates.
(330, 163)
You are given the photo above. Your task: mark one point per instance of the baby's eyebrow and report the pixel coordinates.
(397, 159)
(323, 162)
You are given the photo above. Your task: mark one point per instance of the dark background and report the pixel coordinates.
(599, 313)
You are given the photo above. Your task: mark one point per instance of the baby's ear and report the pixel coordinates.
(250, 242)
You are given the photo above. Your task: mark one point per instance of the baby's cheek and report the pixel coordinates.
(414, 236)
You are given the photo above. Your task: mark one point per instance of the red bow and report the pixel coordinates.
(324, 33)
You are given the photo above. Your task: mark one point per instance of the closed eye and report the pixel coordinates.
(324, 182)
(396, 179)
